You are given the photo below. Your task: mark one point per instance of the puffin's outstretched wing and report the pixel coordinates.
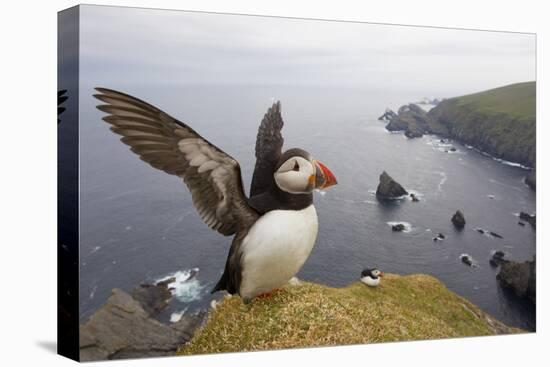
(212, 176)
(269, 143)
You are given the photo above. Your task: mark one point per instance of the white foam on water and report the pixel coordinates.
(95, 249)
(474, 262)
(402, 197)
(185, 287)
(486, 233)
(92, 293)
(176, 316)
(512, 164)
(408, 226)
(500, 160)
(442, 181)
(441, 147)
(416, 193)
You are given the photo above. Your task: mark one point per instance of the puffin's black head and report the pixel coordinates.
(373, 273)
(298, 173)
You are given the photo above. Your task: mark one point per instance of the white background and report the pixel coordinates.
(28, 181)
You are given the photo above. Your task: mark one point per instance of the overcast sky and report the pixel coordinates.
(126, 45)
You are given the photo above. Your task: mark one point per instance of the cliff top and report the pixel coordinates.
(412, 307)
(517, 100)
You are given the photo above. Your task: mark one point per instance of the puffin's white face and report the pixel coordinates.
(296, 176)
(377, 273)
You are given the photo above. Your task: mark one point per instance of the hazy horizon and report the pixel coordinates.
(146, 47)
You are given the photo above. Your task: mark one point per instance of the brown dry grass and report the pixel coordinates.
(402, 308)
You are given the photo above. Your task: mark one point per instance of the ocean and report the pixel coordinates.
(138, 224)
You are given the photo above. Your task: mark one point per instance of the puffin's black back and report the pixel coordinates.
(367, 272)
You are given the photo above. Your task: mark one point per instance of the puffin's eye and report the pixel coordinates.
(296, 166)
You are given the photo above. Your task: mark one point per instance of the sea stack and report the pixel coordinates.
(388, 188)
(458, 220)
(519, 277)
(531, 219)
(388, 115)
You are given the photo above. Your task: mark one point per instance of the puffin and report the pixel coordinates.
(274, 229)
(371, 277)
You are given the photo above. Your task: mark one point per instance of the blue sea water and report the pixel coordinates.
(138, 224)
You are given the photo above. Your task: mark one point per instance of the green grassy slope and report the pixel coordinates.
(501, 121)
(410, 307)
(516, 100)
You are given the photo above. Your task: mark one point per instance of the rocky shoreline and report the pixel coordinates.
(126, 326)
(416, 122)
(502, 135)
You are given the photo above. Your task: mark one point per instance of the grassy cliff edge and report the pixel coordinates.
(412, 307)
(500, 121)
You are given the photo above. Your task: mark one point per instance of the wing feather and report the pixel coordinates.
(269, 143)
(212, 176)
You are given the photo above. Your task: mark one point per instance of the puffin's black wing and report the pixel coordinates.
(269, 143)
(212, 176)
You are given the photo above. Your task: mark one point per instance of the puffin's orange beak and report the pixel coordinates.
(381, 274)
(323, 177)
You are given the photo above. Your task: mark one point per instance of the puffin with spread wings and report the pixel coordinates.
(274, 229)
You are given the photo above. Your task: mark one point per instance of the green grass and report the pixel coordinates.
(516, 100)
(501, 121)
(413, 307)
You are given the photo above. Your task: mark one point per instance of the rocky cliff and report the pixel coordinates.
(126, 326)
(500, 122)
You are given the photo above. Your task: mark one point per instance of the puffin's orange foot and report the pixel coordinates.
(265, 295)
(269, 294)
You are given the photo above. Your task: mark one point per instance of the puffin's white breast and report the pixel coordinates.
(275, 249)
(370, 282)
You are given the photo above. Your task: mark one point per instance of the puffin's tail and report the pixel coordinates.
(220, 286)
(225, 284)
